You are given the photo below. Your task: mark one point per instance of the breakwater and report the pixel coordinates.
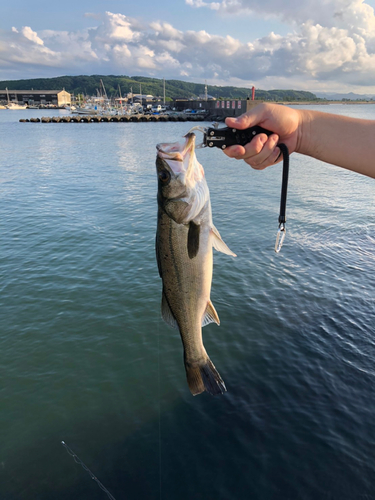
(181, 117)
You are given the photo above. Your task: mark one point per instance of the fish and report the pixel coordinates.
(185, 238)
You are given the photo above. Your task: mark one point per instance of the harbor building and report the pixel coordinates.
(37, 97)
(216, 109)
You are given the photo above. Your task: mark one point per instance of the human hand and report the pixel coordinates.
(262, 151)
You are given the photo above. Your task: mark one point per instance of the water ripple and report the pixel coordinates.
(86, 357)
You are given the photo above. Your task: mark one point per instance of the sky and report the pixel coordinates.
(314, 45)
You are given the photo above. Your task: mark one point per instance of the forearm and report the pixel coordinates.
(339, 140)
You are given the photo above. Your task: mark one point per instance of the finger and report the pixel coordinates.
(256, 151)
(242, 122)
(260, 148)
(236, 152)
(275, 157)
(253, 148)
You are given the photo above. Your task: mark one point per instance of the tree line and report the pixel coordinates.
(116, 85)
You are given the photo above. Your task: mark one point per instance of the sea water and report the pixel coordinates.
(87, 359)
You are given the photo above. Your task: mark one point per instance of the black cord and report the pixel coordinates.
(284, 188)
(284, 184)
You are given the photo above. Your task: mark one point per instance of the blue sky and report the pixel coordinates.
(327, 45)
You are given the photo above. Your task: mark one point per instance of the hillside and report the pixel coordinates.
(349, 96)
(89, 85)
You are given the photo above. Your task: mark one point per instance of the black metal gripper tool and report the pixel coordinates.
(215, 137)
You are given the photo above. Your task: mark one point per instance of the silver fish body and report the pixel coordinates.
(184, 241)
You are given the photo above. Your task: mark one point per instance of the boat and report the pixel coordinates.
(85, 111)
(15, 105)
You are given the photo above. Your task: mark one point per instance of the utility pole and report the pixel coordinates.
(164, 91)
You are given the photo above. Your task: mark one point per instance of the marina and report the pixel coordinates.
(212, 111)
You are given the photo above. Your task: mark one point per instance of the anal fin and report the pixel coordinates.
(210, 315)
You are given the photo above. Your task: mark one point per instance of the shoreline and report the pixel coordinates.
(320, 103)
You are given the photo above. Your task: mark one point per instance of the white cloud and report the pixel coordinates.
(338, 52)
(117, 27)
(31, 35)
(325, 12)
(24, 48)
(201, 3)
(166, 31)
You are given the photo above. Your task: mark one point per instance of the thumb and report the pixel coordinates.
(248, 119)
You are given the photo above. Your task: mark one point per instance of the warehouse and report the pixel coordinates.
(36, 97)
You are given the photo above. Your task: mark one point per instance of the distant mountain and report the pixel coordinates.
(334, 96)
(91, 85)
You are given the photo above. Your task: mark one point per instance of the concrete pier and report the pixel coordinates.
(180, 117)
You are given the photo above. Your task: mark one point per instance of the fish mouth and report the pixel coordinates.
(176, 150)
(181, 158)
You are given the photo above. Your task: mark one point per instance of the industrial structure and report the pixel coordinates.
(57, 98)
(215, 109)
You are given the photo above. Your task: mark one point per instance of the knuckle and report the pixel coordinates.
(255, 147)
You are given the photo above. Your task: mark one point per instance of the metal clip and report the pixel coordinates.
(200, 128)
(280, 237)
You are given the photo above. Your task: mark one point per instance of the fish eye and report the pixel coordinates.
(164, 176)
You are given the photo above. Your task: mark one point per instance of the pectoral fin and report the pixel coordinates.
(193, 239)
(210, 315)
(219, 244)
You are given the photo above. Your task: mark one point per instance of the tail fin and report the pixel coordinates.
(204, 377)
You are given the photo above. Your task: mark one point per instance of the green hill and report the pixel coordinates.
(90, 85)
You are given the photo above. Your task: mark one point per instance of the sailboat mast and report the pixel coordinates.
(119, 91)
